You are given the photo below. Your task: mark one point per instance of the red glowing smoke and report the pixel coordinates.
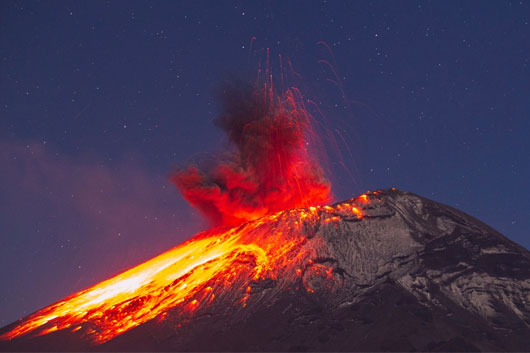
(270, 169)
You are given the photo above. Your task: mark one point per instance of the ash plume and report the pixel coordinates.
(268, 166)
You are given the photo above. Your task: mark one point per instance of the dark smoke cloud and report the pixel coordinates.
(268, 166)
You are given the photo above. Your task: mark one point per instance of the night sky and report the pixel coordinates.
(101, 100)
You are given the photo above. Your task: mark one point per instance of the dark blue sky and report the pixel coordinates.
(101, 100)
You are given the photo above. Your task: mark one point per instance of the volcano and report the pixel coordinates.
(384, 271)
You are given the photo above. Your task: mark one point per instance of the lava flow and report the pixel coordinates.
(190, 275)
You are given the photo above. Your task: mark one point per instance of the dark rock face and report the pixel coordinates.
(410, 275)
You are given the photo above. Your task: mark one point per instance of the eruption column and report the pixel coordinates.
(270, 167)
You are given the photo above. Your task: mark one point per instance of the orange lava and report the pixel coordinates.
(188, 275)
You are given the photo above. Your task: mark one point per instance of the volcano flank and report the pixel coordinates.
(385, 271)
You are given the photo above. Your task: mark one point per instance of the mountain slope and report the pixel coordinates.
(387, 270)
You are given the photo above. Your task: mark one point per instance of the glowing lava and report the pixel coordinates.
(190, 275)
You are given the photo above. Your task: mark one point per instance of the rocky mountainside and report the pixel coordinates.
(386, 271)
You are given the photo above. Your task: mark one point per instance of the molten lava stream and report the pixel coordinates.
(147, 290)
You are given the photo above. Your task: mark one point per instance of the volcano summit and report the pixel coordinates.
(385, 271)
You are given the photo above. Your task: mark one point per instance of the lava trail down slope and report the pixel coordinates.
(385, 271)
